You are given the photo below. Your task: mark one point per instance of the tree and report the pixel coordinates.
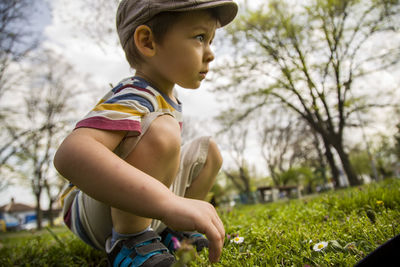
(286, 142)
(385, 154)
(296, 176)
(311, 58)
(397, 142)
(50, 101)
(16, 41)
(53, 188)
(239, 175)
(275, 138)
(361, 162)
(103, 30)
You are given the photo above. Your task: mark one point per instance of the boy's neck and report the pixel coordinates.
(167, 90)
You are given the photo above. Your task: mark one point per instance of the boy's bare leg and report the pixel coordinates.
(202, 184)
(157, 154)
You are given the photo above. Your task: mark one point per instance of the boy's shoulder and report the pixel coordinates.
(134, 84)
(134, 91)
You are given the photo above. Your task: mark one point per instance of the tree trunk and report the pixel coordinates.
(235, 183)
(348, 169)
(50, 212)
(244, 176)
(39, 214)
(320, 165)
(245, 179)
(331, 162)
(273, 175)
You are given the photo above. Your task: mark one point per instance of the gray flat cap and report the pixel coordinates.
(132, 13)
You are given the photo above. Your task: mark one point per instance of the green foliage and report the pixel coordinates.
(353, 222)
(384, 154)
(361, 162)
(296, 175)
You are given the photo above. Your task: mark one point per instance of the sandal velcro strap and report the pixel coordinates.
(144, 250)
(150, 248)
(145, 237)
(193, 235)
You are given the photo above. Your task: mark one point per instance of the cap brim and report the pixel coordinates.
(227, 10)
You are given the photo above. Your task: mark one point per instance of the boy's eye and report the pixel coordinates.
(200, 38)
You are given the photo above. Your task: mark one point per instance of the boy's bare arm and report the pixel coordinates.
(86, 159)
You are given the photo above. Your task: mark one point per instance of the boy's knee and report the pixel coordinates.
(214, 155)
(164, 135)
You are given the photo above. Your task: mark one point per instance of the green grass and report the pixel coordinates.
(353, 221)
(54, 247)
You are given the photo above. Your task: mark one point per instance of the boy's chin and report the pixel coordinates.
(193, 87)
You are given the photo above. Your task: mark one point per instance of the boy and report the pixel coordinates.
(135, 181)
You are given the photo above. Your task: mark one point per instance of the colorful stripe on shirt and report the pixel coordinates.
(123, 107)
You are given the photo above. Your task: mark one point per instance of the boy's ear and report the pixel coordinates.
(144, 40)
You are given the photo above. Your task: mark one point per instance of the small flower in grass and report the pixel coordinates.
(176, 243)
(238, 239)
(379, 202)
(320, 246)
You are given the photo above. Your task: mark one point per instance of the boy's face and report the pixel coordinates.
(184, 54)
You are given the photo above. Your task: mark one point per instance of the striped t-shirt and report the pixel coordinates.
(124, 106)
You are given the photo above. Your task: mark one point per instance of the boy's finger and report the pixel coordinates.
(219, 225)
(215, 245)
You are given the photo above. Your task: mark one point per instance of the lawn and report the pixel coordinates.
(351, 223)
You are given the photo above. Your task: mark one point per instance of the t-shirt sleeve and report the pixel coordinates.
(121, 111)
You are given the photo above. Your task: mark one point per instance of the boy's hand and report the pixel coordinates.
(184, 214)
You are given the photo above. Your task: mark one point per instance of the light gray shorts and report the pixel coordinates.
(91, 220)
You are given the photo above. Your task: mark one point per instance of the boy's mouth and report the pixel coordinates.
(203, 74)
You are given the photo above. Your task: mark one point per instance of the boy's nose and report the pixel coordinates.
(209, 55)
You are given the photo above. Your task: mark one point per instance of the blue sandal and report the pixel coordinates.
(144, 250)
(194, 238)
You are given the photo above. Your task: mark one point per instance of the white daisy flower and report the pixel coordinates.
(237, 239)
(320, 246)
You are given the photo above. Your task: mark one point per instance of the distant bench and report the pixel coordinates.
(273, 193)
